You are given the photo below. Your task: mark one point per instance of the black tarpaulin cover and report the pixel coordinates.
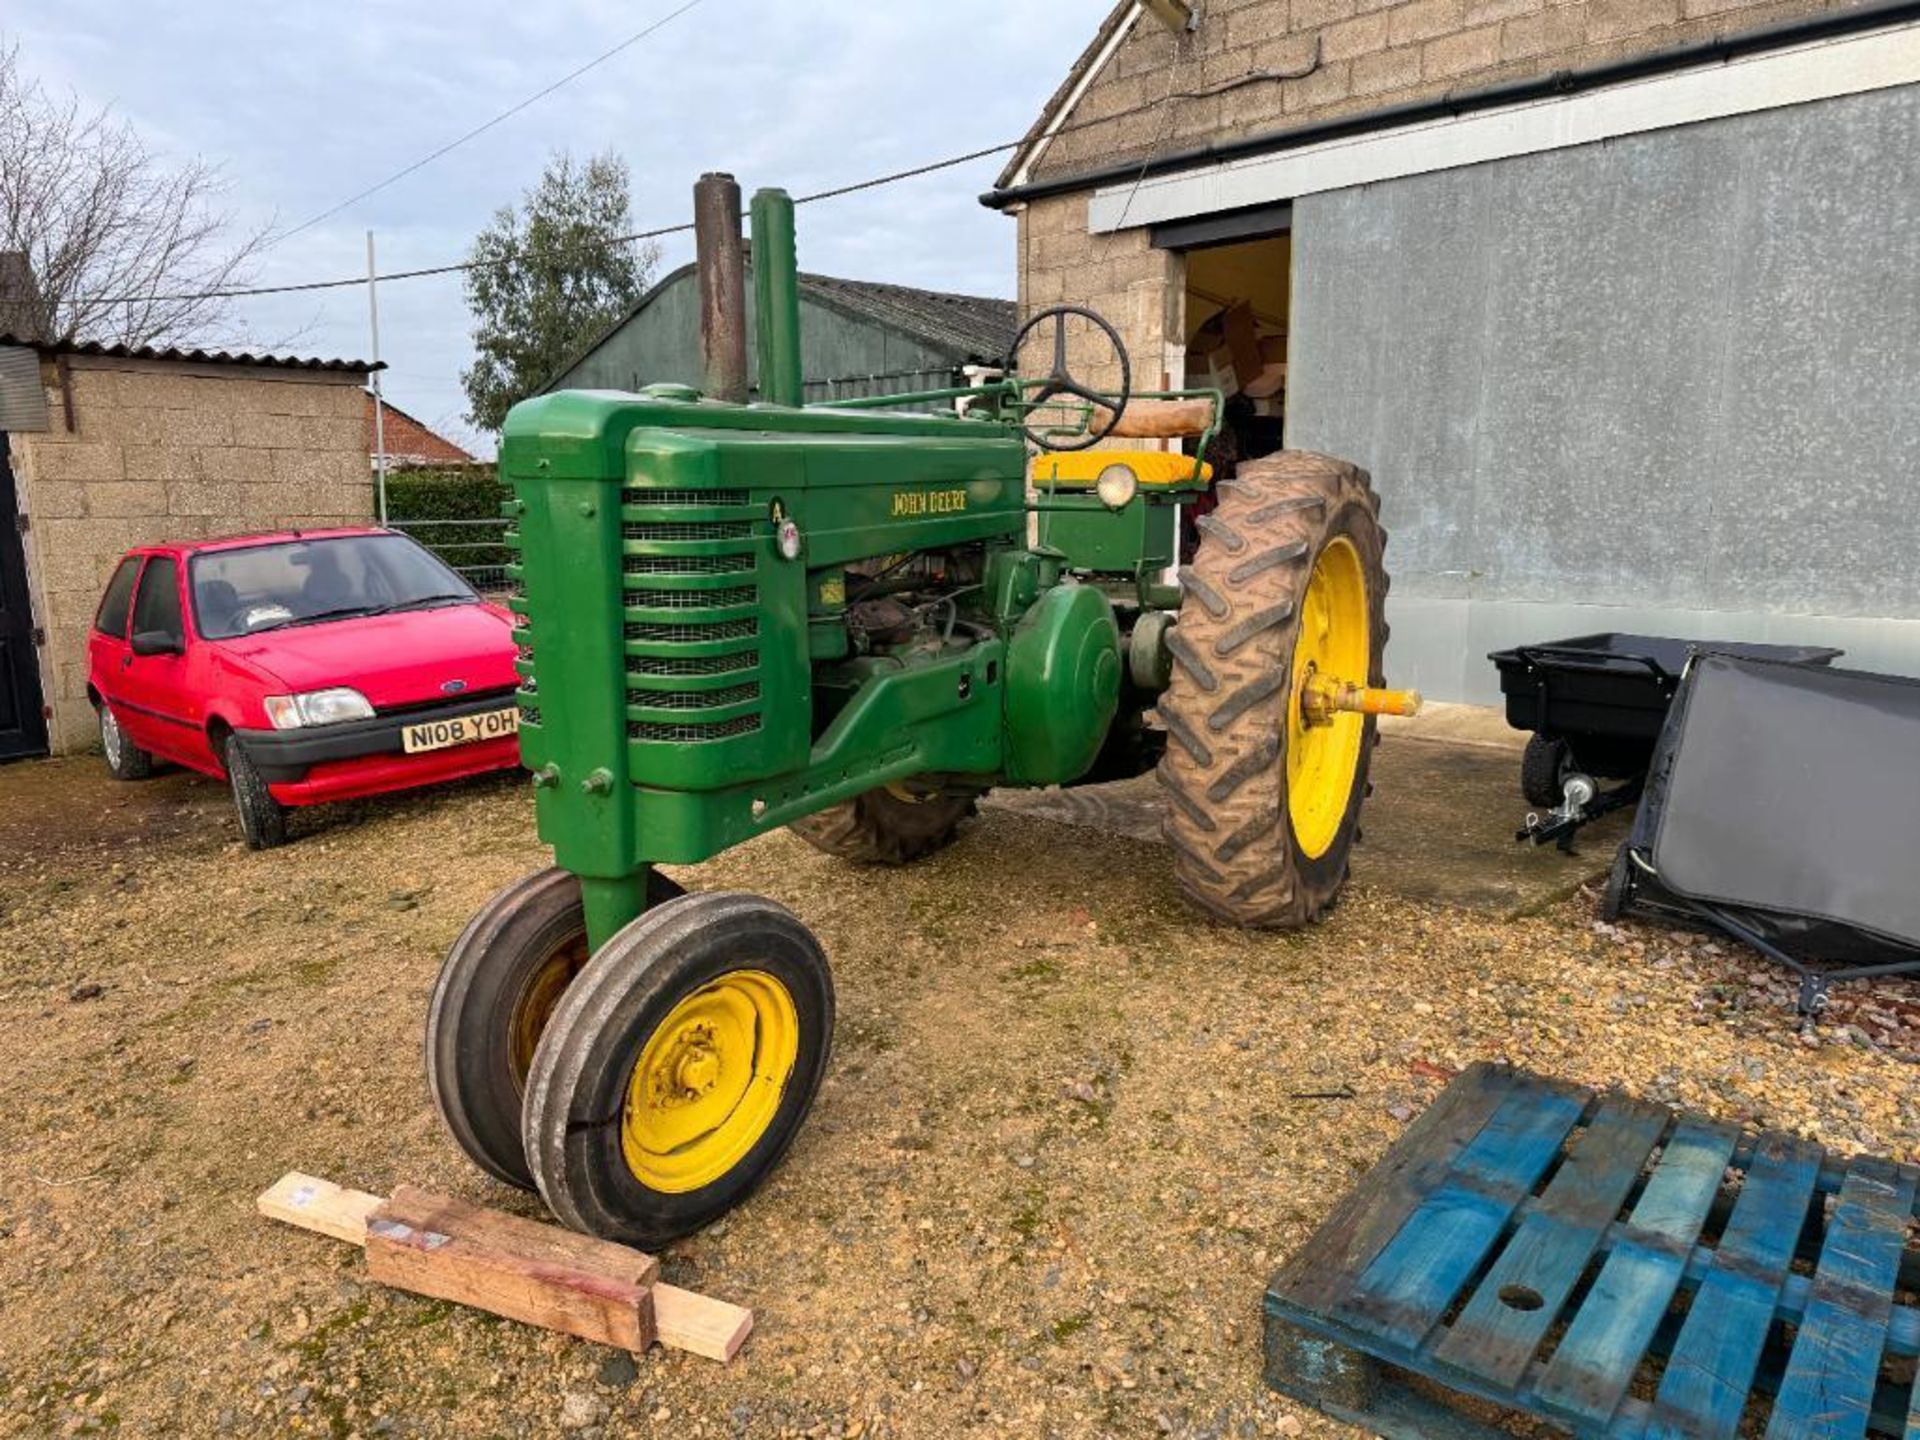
(1790, 795)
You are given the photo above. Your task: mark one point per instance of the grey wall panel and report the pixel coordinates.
(1675, 375)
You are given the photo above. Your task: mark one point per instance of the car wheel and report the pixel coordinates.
(125, 760)
(263, 819)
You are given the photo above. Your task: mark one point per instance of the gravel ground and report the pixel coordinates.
(1066, 1137)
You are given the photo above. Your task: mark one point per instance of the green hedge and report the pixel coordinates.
(417, 498)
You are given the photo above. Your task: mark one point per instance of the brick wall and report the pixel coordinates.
(1358, 55)
(163, 450)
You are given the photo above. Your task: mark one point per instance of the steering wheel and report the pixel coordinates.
(1060, 380)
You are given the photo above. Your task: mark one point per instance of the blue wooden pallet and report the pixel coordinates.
(1531, 1248)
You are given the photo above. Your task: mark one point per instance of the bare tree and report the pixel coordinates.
(110, 228)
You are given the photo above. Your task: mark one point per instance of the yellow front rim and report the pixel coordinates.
(535, 1007)
(1334, 643)
(709, 1081)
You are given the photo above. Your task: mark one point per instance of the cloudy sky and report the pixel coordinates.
(304, 104)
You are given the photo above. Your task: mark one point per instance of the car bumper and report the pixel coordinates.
(366, 757)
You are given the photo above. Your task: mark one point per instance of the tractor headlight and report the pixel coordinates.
(317, 707)
(787, 537)
(1117, 486)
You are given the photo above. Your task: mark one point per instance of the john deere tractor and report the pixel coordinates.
(853, 620)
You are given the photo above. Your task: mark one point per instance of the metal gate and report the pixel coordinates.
(23, 724)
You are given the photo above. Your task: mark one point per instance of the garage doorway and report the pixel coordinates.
(1238, 309)
(23, 723)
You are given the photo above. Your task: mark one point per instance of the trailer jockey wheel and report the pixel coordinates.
(1270, 714)
(678, 1068)
(1541, 767)
(891, 825)
(496, 992)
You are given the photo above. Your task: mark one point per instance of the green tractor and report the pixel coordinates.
(853, 622)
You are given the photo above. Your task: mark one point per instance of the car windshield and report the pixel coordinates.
(306, 582)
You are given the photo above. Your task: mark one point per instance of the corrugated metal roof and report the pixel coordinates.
(966, 328)
(196, 357)
(974, 327)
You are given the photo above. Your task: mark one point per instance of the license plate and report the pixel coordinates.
(462, 730)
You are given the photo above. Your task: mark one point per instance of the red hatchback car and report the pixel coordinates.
(303, 667)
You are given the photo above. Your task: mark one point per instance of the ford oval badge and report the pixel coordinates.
(452, 687)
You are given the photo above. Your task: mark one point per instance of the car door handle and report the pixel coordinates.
(126, 662)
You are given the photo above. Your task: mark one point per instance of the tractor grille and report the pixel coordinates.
(692, 634)
(693, 734)
(660, 667)
(688, 564)
(636, 496)
(684, 664)
(693, 599)
(697, 699)
(691, 530)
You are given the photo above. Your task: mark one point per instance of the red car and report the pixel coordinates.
(302, 667)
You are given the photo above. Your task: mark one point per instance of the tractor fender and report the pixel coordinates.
(1062, 685)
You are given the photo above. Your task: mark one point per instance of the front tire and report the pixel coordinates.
(1288, 583)
(263, 819)
(125, 760)
(495, 994)
(678, 1068)
(890, 825)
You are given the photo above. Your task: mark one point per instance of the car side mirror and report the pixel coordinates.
(155, 642)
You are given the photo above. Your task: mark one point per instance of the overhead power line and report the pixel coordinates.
(478, 130)
(460, 266)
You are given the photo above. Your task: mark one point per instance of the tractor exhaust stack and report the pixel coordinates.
(723, 287)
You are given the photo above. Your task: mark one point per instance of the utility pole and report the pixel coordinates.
(379, 409)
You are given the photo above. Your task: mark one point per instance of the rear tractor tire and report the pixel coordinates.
(1287, 588)
(496, 991)
(890, 825)
(678, 1068)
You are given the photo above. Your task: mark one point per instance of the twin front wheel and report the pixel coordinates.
(644, 1089)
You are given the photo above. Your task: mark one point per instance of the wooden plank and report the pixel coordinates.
(1321, 1272)
(1828, 1390)
(1502, 1325)
(682, 1320)
(1713, 1362)
(1402, 1294)
(319, 1205)
(1594, 1363)
(699, 1324)
(518, 1268)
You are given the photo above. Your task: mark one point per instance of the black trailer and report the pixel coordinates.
(1596, 705)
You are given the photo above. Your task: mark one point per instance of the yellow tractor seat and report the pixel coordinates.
(1154, 469)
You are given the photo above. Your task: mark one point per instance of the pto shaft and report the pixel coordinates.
(1321, 699)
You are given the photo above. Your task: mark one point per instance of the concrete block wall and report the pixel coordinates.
(163, 450)
(1349, 56)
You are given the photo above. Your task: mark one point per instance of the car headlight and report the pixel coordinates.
(317, 707)
(1117, 486)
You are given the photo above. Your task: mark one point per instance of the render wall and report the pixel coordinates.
(168, 451)
(1670, 383)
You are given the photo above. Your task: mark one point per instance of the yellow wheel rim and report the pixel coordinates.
(709, 1081)
(1334, 644)
(535, 1006)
